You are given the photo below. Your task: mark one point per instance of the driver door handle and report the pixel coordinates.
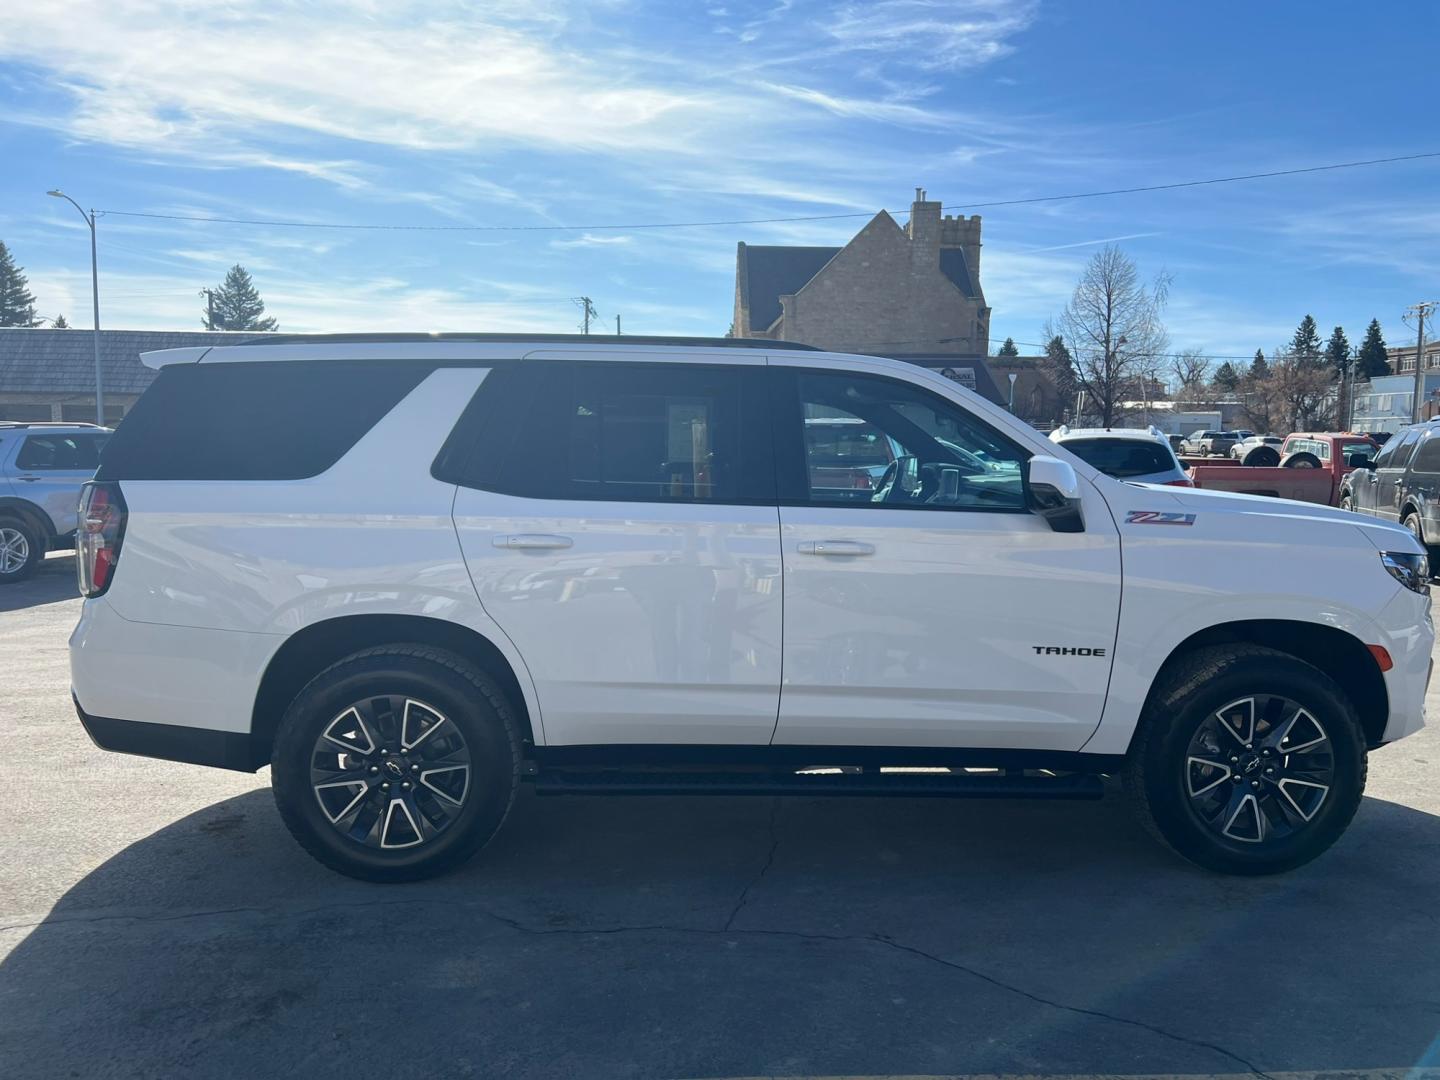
(835, 547)
(532, 541)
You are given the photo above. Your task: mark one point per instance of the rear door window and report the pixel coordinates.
(76, 453)
(1427, 458)
(625, 432)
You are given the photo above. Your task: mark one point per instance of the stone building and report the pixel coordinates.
(889, 290)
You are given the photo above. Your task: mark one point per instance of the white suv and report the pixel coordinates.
(411, 573)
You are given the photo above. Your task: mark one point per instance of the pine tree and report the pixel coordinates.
(1259, 369)
(1372, 362)
(17, 304)
(1337, 351)
(1008, 348)
(1226, 378)
(60, 323)
(237, 304)
(1306, 342)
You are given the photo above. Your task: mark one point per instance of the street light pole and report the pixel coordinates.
(95, 301)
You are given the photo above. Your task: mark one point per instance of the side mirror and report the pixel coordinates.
(1052, 490)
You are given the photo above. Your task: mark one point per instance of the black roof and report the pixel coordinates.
(546, 339)
(767, 273)
(49, 361)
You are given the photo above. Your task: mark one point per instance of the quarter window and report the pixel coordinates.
(869, 441)
(1427, 458)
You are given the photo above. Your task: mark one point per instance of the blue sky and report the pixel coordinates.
(593, 112)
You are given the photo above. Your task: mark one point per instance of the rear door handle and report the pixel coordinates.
(28, 479)
(532, 541)
(835, 547)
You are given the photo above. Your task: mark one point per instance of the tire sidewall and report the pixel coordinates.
(492, 764)
(36, 553)
(1164, 772)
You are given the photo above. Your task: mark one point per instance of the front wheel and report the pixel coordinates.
(396, 763)
(1247, 761)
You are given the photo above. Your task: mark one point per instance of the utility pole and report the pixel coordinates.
(617, 325)
(588, 308)
(209, 295)
(1421, 311)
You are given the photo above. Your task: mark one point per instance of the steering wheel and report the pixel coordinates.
(887, 485)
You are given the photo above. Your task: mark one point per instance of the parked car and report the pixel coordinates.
(1207, 443)
(1312, 468)
(1402, 483)
(42, 466)
(585, 565)
(1270, 444)
(1140, 455)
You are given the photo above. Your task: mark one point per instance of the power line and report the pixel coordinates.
(385, 227)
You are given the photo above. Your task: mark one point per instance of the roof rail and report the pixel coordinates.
(544, 339)
(45, 423)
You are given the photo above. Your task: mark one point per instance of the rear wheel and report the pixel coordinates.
(1263, 456)
(1247, 761)
(21, 550)
(1412, 522)
(1301, 459)
(396, 763)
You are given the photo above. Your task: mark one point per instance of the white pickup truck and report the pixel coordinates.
(411, 573)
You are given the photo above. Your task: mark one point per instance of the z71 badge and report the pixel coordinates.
(1158, 517)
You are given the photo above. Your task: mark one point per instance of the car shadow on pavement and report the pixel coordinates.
(723, 937)
(52, 582)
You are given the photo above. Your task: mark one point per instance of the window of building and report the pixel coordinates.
(25, 413)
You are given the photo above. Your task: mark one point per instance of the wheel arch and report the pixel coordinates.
(1341, 655)
(28, 512)
(1410, 506)
(313, 648)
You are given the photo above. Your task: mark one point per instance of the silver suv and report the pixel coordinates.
(42, 467)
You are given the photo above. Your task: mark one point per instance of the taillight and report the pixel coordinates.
(1178, 483)
(98, 539)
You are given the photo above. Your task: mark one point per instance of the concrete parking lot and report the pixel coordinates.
(156, 921)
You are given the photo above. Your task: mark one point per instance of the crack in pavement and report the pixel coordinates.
(765, 869)
(726, 930)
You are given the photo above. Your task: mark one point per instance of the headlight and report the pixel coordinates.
(1412, 571)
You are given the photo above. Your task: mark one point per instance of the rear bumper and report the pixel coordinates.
(195, 746)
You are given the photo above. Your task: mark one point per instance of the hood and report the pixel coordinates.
(1264, 510)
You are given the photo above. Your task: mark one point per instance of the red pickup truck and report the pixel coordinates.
(1311, 467)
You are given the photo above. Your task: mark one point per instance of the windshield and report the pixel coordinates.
(1123, 458)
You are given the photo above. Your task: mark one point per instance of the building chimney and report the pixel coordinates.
(924, 230)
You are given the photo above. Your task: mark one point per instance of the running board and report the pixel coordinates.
(908, 784)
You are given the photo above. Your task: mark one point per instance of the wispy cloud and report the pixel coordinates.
(593, 240)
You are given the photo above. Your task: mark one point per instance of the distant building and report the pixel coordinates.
(1402, 357)
(1387, 403)
(890, 289)
(48, 374)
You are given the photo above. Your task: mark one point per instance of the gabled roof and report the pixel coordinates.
(767, 273)
(48, 361)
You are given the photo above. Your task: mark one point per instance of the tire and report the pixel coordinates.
(1262, 456)
(21, 550)
(1346, 503)
(1411, 521)
(432, 825)
(1301, 459)
(1166, 774)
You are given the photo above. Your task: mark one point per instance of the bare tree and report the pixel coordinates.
(1113, 330)
(1190, 372)
(1308, 391)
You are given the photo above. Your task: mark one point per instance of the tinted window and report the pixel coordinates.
(1427, 458)
(940, 456)
(1404, 447)
(41, 452)
(260, 421)
(638, 432)
(1123, 458)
